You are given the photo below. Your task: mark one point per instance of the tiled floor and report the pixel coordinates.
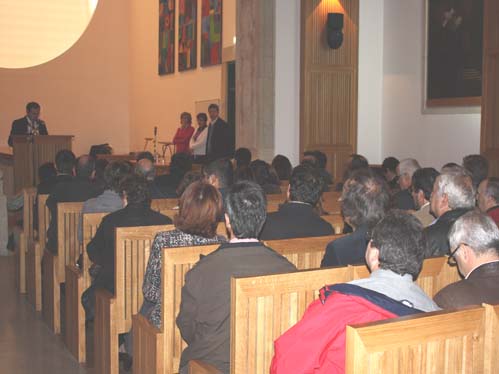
(26, 343)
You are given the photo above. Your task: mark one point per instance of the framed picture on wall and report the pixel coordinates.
(453, 58)
(211, 32)
(187, 41)
(166, 57)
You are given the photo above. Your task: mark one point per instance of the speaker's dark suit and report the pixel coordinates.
(20, 127)
(220, 142)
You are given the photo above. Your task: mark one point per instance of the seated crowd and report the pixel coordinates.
(395, 216)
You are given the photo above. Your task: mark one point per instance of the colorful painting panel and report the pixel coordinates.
(187, 42)
(211, 32)
(166, 58)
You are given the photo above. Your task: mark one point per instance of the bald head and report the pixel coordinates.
(145, 168)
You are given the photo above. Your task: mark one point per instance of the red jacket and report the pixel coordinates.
(316, 344)
(182, 138)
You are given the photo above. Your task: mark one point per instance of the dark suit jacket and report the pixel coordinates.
(294, 220)
(101, 247)
(45, 188)
(220, 142)
(167, 184)
(436, 234)
(348, 250)
(480, 287)
(204, 317)
(20, 127)
(403, 200)
(72, 190)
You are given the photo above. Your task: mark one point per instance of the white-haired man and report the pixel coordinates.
(453, 195)
(488, 198)
(403, 199)
(474, 239)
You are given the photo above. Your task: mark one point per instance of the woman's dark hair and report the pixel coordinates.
(189, 178)
(306, 185)
(246, 206)
(365, 198)
(263, 174)
(242, 157)
(282, 166)
(243, 173)
(199, 209)
(401, 243)
(136, 189)
(145, 154)
(46, 171)
(65, 161)
(423, 180)
(202, 116)
(115, 173)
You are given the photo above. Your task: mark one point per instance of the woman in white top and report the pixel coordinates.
(198, 140)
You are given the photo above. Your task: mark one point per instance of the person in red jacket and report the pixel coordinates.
(316, 344)
(183, 134)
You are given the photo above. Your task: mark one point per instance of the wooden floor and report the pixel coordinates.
(26, 344)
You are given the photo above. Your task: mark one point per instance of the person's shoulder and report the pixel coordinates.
(19, 121)
(162, 219)
(454, 294)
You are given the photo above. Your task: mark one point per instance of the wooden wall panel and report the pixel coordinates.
(329, 83)
(490, 93)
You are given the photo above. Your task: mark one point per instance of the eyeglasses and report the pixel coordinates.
(451, 260)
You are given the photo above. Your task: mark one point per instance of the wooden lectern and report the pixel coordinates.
(31, 151)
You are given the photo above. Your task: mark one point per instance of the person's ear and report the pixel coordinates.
(288, 192)
(372, 256)
(228, 226)
(124, 198)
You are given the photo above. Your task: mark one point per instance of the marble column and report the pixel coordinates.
(255, 77)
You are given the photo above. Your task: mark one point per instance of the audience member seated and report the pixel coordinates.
(243, 173)
(389, 169)
(136, 212)
(196, 224)
(474, 239)
(282, 166)
(47, 175)
(79, 188)
(100, 166)
(242, 158)
(364, 201)
(422, 186)
(452, 167)
(180, 164)
(316, 344)
(354, 162)
(145, 154)
(488, 198)
(264, 176)
(297, 218)
(478, 167)
(219, 173)
(403, 199)
(204, 317)
(319, 159)
(145, 168)
(189, 178)
(110, 200)
(453, 195)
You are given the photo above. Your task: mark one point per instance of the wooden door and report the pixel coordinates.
(489, 144)
(328, 100)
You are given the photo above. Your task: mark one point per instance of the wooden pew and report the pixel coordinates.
(163, 204)
(263, 308)
(77, 281)
(113, 313)
(336, 220)
(491, 338)
(439, 342)
(435, 275)
(331, 202)
(54, 266)
(34, 256)
(158, 351)
(304, 253)
(26, 236)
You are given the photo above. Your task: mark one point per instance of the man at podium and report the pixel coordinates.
(30, 124)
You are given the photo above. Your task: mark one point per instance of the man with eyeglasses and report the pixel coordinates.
(474, 240)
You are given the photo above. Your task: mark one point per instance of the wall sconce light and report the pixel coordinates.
(334, 30)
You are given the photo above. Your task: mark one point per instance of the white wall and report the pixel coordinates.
(433, 139)
(370, 79)
(287, 80)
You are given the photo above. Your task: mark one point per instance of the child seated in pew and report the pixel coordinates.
(395, 256)
(204, 317)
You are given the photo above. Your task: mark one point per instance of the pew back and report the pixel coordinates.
(43, 220)
(163, 204)
(440, 342)
(264, 307)
(90, 224)
(29, 196)
(69, 247)
(491, 338)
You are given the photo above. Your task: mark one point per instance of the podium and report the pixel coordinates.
(31, 151)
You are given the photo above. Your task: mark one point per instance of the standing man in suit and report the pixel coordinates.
(221, 136)
(31, 124)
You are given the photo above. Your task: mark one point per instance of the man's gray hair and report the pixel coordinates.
(477, 230)
(492, 189)
(408, 166)
(146, 169)
(459, 189)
